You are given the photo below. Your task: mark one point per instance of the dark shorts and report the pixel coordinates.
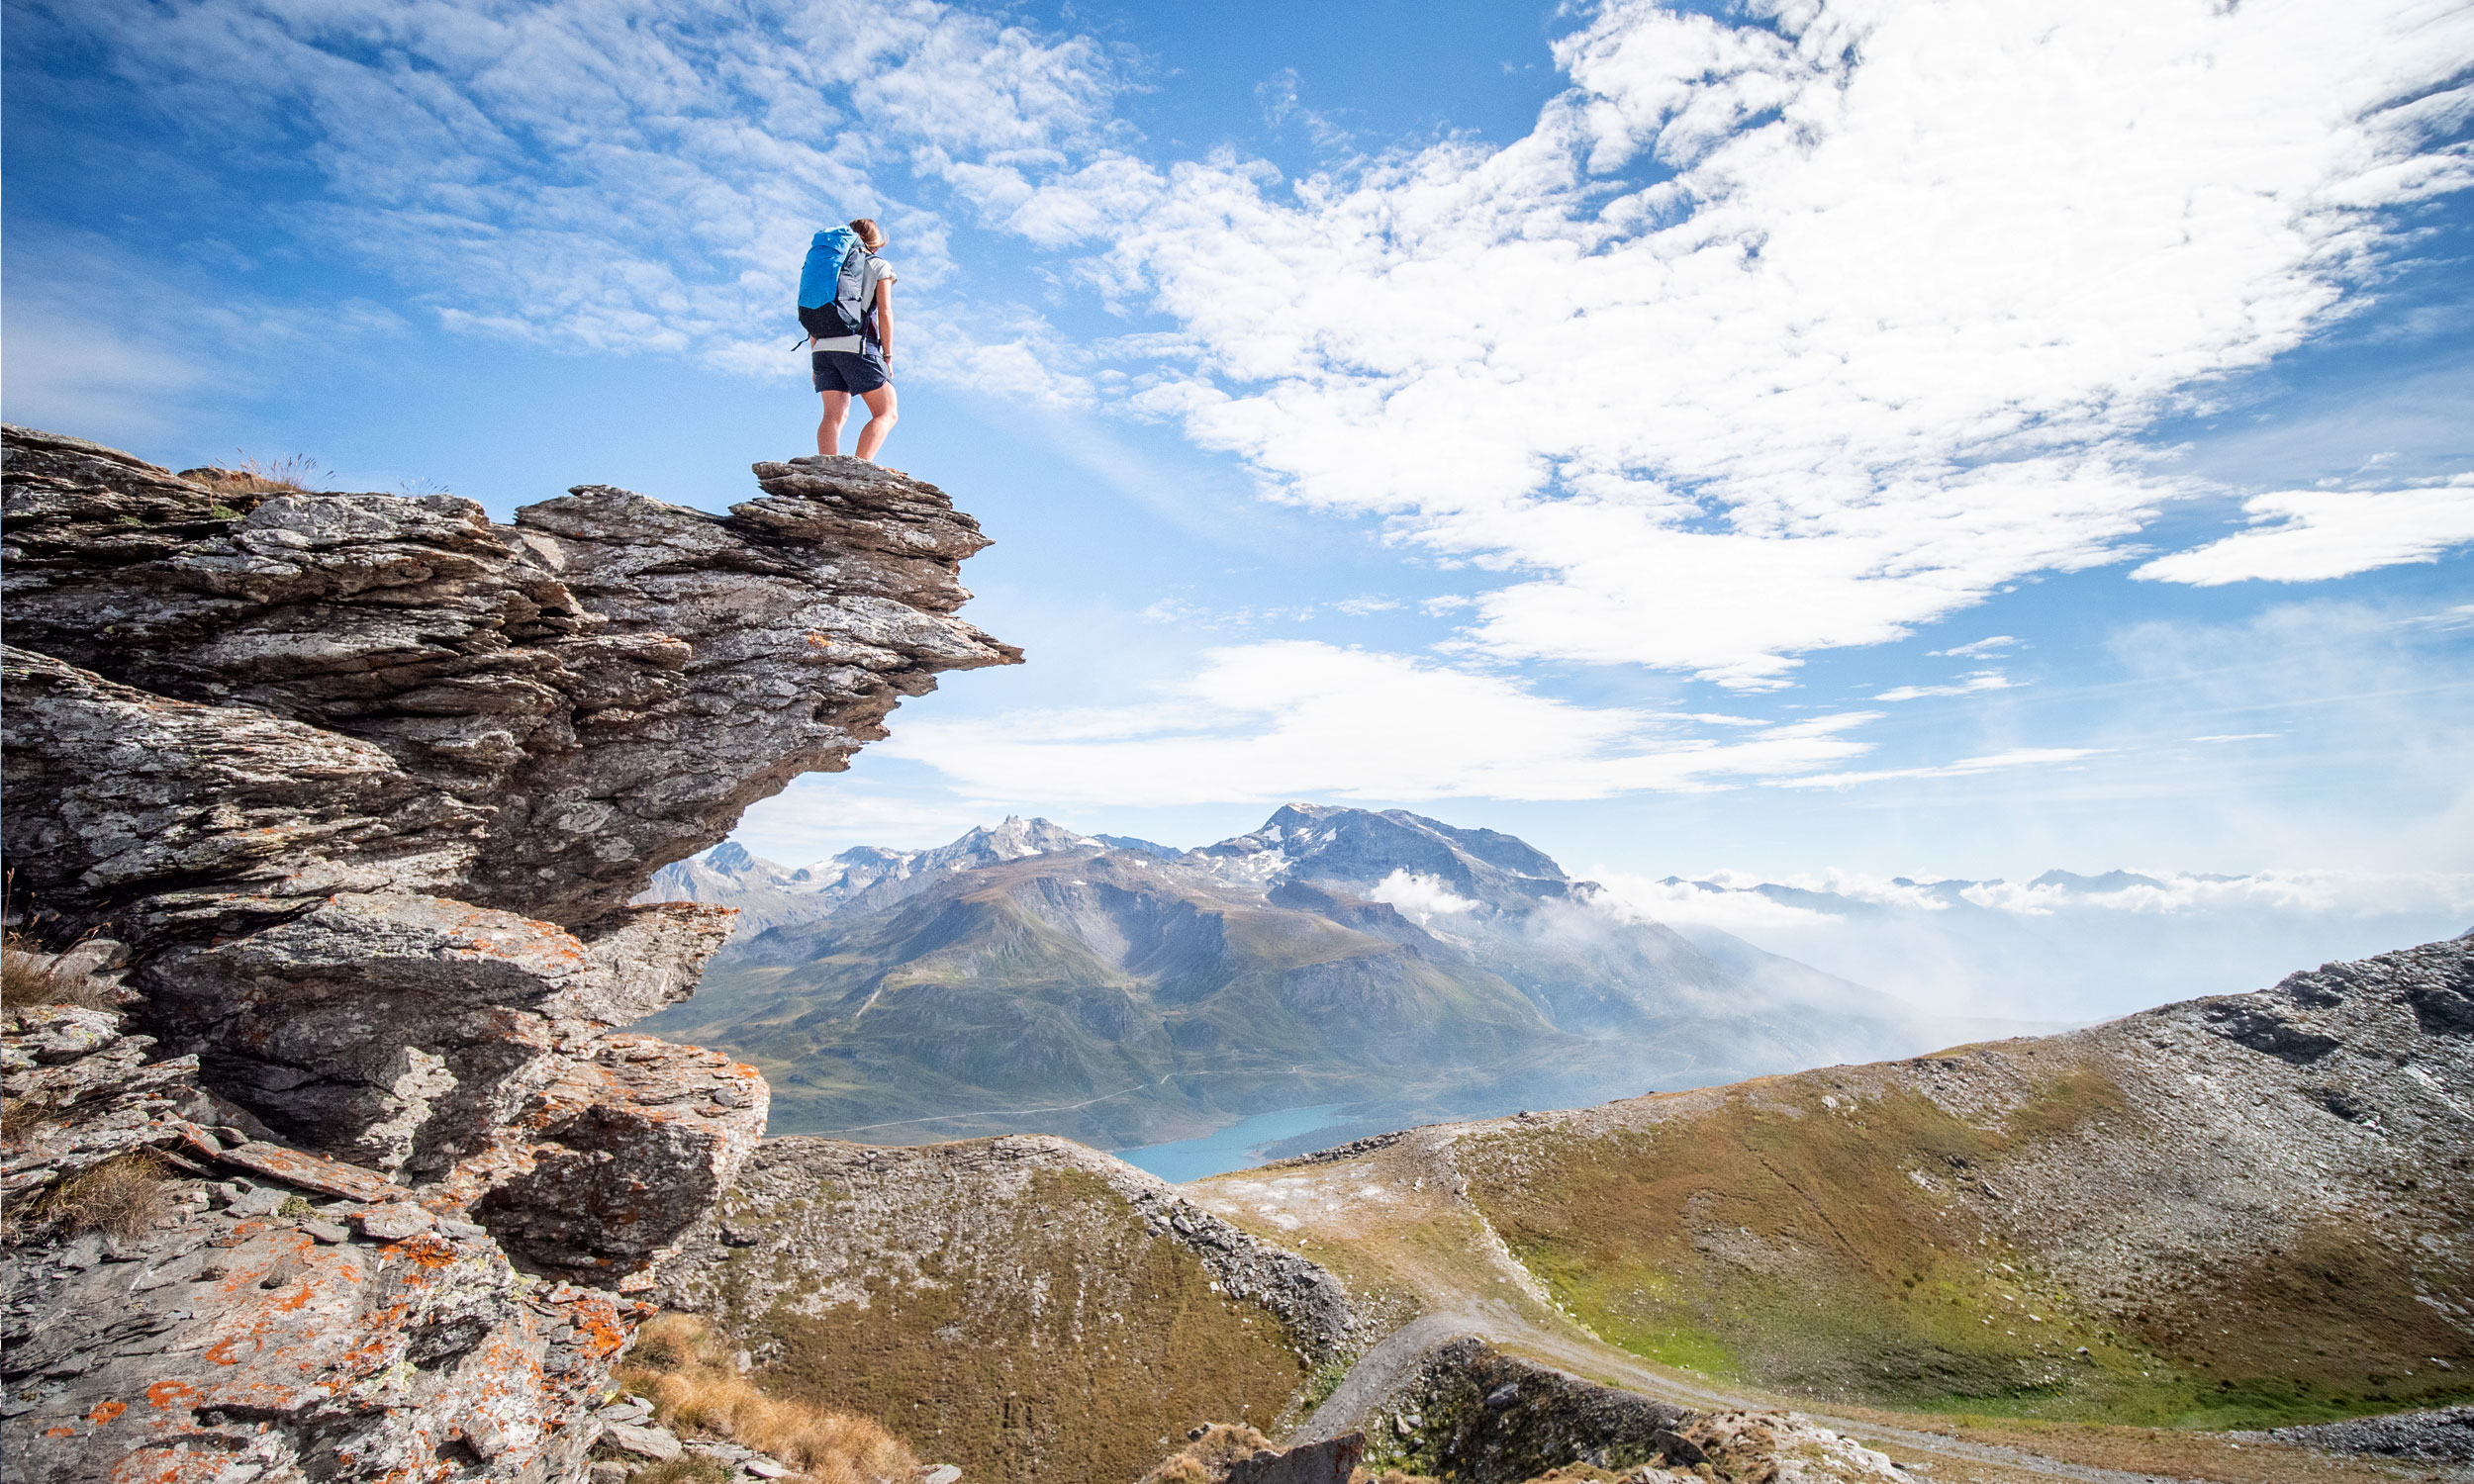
(844, 371)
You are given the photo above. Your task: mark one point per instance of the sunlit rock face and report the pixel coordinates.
(357, 787)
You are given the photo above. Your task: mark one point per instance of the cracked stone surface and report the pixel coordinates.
(359, 787)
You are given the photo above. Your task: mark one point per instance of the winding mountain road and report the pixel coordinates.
(1469, 1283)
(1381, 1371)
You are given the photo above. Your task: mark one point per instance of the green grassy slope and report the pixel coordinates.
(1840, 1234)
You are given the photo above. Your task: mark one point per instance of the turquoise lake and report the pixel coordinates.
(1232, 1148)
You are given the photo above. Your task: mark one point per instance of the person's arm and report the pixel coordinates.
(885, 318)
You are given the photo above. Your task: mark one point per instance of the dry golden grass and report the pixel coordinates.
(292, 473)
(1205, 1460)
(686, 1372)
(119, 1198)
(30, 978)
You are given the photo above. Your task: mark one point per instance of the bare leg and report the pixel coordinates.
(829, 430)
(882, 416)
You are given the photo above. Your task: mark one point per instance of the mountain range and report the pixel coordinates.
(1027, 978)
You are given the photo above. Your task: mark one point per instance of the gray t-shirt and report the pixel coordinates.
(872, 271)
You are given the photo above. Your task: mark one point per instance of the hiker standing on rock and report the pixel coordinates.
(846, 306)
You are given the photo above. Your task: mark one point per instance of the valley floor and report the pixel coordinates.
(1395, 1222)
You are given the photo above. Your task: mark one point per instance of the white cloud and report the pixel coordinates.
(1358, 607)
(1967, 684)
(1885, 341)
(1790, 330)
(1644, 899)
(2016, 757)
(1273, 721)
(2047, 952)
(2311, 535)
(1715, 894)
(1420, 898)
(1992, 645)
(628, 175)
(2350, 894)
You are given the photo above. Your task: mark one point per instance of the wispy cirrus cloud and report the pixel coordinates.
(1993, 762)
(614, 175)
(1966, 684)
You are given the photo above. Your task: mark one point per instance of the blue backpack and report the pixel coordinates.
(830, 284)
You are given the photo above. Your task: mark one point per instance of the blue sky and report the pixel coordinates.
(1938, 439)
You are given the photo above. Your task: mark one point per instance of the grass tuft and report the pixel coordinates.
(1206, 1459)
(688, 1372)
(28, 977)
(291, 474)
(687, 1468)
(119, 1198)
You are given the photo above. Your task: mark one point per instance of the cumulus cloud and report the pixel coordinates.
(1272, 721)
(1419, 898)
(2310, 536)
(1797, 328)
(1787, 328)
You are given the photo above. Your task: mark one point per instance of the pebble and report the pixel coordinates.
(645, 1442)
(395, 1220)
(258, 1200)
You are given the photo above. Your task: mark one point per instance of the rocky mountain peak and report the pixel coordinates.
(1014, 839)
(732, 857)
(1360, 849)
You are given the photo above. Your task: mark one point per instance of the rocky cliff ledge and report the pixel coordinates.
(345, 794)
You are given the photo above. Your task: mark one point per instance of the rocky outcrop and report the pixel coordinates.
(1466, 1411)
(2444, 1434)
(185, 1300)
(1043, 1310)
(598, 690)
(360, 787)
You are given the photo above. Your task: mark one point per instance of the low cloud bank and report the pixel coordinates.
(2061, 947)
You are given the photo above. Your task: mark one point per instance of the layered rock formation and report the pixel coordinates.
(237, 1308)
(360, 785)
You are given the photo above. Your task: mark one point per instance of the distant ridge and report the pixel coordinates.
(1028, 979)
